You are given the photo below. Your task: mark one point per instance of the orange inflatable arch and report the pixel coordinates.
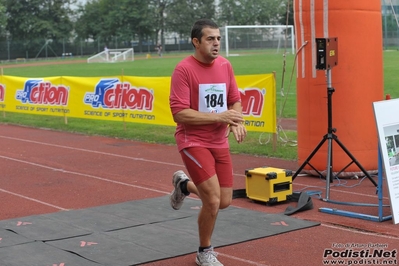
(357, 80)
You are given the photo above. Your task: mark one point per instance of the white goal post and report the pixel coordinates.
(272, 30)
(112, 56)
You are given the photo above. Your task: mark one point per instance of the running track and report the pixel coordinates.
(44, 171)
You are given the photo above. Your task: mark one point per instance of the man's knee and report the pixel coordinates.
(224, 203)
(226, 197)
(217, 204)
(212, 205)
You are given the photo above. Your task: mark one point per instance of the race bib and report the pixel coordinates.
(212, 98)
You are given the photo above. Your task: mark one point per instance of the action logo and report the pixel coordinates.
(113, 94)
(38, 91)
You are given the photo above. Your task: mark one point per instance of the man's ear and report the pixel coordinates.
(196, 42)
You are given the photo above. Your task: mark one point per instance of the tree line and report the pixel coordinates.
(129, 20)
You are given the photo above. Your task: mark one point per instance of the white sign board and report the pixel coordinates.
(387, 118)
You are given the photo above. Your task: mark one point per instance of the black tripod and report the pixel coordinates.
(330, 136)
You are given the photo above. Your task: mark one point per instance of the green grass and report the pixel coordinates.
(391, 77)
(260, 144)
(256, 143)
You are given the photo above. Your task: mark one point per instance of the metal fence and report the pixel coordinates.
(391, 40)
(17, 50)
(11, 50)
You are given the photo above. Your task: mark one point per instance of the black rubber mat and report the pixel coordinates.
(128, 233)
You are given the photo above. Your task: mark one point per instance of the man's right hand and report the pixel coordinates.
(231, 117)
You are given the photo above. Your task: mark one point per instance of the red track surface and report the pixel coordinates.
(43, 171)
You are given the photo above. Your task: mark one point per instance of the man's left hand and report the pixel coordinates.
(239, 132)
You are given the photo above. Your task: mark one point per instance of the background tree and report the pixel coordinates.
(3, 20)
(159, 12)
(287, 13)
(249, 12)
(115, 21)
(23, 19)
(183, 13)
(56, 19)
(132, 18)
(93, 20)
(122, 23)
(45, 19)
(38, 23)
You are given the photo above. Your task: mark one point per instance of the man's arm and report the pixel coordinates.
(239, 130)
(193, 117)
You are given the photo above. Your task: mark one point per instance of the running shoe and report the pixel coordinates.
(177, 196)
(207, 258)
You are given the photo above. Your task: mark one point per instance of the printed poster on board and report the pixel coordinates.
(387, 119)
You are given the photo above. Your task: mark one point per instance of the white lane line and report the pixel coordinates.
(242, 260)
(126, 184)
(32, 199)
(146, 160)
(68, 172)
(91, 151)
(135, 186)
(357, 231)
(81, 174)
(99, 152)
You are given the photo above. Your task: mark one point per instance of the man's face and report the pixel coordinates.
(209, 47)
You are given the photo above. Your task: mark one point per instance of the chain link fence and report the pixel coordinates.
(18, 50)
(391, 40)
(25, 50)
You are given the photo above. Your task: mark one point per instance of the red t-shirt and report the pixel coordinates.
(205, 88)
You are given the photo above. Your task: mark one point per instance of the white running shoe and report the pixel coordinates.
(177, 196)
(207, 258)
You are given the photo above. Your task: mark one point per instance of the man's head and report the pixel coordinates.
(205, 37)
(196, 31)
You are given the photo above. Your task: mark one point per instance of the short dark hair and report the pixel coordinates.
(196, 31)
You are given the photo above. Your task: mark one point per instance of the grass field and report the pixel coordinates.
(244, 64)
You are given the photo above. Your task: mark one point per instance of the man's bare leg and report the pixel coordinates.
(213, 198)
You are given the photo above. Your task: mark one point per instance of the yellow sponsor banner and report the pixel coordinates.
(258, 98)
(42, 98)
(126, 98)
